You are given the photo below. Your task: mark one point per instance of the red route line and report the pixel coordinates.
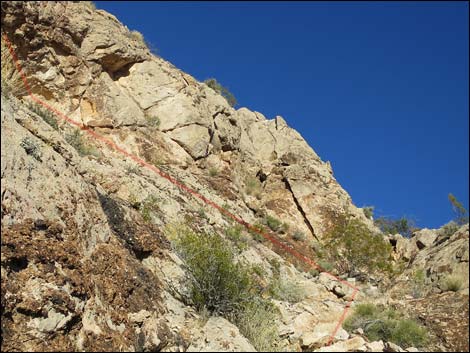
(289, 248)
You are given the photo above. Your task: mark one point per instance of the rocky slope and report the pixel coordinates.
(85, 261)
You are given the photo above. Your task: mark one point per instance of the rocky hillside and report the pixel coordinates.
(88, 261)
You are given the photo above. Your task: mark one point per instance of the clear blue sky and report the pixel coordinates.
(378, 88)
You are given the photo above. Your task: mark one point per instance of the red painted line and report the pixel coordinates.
(287, 247)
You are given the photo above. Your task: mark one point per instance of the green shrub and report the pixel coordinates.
(452, 283)
(257, 235)
(224, 92)
(418, 283)
(76, 141)
(219, 285)
(253, 187)
(154, 121)
(236, 235)
(216, 282)
(354, 249)
(449, 229)
(403, 226)
(386, 325)
(148, 206)
(299, 236)
(273, 223)
(45, 114)
(256, 323)
(213, 171)
(368, 211)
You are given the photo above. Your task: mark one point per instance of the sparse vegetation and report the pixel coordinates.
(256, 234)
(222, 286)
(45, 114)
(76, 140)
(31, 148)
(460, 212)
(273, 223)
(386, 325)
(253, 187)
(448, 229)
(284, 290)
(136, 35)
(213, 171)
(354, 249)
(452, 283)
(403, 226)
(148, 206)
(236, 235)
(299, 236)
(418, 283)
(368, 211)
(223, 91)
(255, 322)
(12, 83)
(154, 121)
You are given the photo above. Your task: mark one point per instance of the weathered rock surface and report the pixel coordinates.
(85, 264)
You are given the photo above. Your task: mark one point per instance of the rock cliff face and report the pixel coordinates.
(85, 262)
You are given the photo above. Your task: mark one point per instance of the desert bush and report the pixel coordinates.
(452, 283)
(220, 285)
(256, 323)
(418, 283)
(136, 35)
(273, 223)
(76, 140)
(253, 187)
(148, 206)
(223, 91)
(354, 249)
(45, 114)
(154, 121)
(216, 282)
(448, 229)
(368, 211)
(460, 212)
(299, 236)
(213, 171)
(386, 325)
(403, 226)
(12, 83)
(236, 235)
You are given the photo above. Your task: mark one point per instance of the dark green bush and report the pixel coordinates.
(273, 223)
(220, 285)
(386, 325)
(354, 249)
(216, 282)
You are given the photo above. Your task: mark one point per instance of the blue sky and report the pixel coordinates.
(380, 89)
